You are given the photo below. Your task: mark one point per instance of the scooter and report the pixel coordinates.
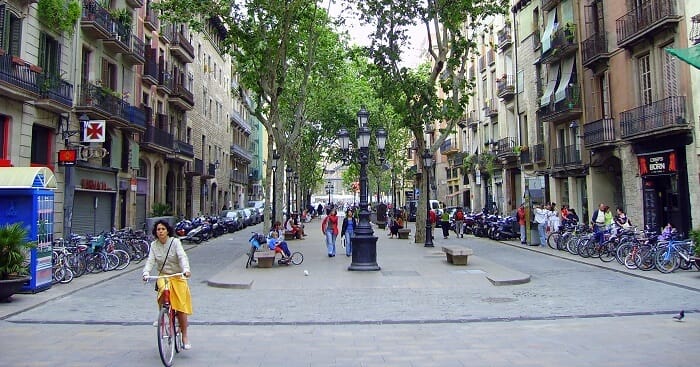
(507, 228)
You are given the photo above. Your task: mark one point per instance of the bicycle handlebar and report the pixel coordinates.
(149, 277)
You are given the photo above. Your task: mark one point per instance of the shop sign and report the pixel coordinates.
(658, 163)
(67, 157)
(90, 184)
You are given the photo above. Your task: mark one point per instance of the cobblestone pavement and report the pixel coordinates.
(416, 311)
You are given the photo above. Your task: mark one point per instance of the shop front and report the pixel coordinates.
(94, 201)
(665, 194)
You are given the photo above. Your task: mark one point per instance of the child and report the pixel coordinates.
(278, 245)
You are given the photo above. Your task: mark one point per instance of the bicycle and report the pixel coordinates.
(168, 330)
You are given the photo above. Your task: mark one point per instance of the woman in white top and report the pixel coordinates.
(541, 218)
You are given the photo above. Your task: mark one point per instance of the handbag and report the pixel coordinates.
(155, 286)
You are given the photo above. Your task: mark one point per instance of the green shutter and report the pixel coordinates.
(42, 51)
(135, 154)
(2, 26)
(116, 151)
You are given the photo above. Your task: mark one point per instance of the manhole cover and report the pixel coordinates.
(499, 300)
(400, 273)
(469, 271)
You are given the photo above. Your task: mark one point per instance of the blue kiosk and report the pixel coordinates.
(27, 197)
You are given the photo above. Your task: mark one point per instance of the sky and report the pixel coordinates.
(359, 33)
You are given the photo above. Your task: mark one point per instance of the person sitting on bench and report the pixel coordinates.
(292, 227)
(395, 225)
(278, 245)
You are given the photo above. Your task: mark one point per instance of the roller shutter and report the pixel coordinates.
(87, 218)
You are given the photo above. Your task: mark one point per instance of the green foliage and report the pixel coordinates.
(60, 15)
(695, 236)
(161, 210)
(488, 161)
(469, 163)
(123, 16)
(13, 250)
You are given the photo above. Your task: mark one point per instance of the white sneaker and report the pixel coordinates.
(155, 323)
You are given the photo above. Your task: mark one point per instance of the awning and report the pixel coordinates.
(567, 68)
(549, 30)
(552, 76)
(27, 178)
(690, 55)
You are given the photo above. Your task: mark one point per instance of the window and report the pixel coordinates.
(670, 74)
(11, 31)
(49, 55)
(85, 64)
(41, 146)
(644, 71)
(109, 75)
(4, 136)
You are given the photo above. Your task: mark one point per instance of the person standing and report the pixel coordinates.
(520, 214)
(433, 221)
(348, 231)
(459, 222)
(598, 220)
(541, 218)
(329, 227)
(168, 256)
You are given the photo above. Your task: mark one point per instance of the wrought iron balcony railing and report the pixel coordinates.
(566, 156)
(657, 118)
(594, 48)
(643, 19)
(599, 132)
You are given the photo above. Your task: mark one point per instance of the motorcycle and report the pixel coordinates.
(507, 228)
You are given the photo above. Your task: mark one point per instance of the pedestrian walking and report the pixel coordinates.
(433, 221)
(445, 223)
(520, 214)
(329, 227)
(459, 222)
(347, 231)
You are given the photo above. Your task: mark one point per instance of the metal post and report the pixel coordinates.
(364, 244)
(427, 164)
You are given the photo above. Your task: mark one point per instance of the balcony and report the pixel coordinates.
(102, 104)
(490, 57)
(482, 63)
(595, 50)
(194, 168)
(657, 119)
(183, 148)
(157, 140)
(566, 109)
(180, 46)
(473, 120)
(136, 53)
(240, 122)
(137, 118)
(134, 4)
(600, 133)
(241, 153)
(548, 5)
(563, 44)
(505, 87)
(649, 18)
(150, 21)
(526, 157)
(505, 39)
(55, 94)
(448, 147)
(238, 176)
(537, 152)
(491, 107)
(120, 39)
(181, 97)
(165, 81)
(150, 71)
(96, 21)
(18, 80)
(569, 155)
(505, 148)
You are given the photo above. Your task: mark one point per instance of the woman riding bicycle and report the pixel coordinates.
(169, 257)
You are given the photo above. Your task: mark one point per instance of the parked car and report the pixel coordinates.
(255, 216)
(231, 220)
(246, 215)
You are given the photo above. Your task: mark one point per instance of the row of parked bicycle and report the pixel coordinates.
(635, 249)
(84, 254)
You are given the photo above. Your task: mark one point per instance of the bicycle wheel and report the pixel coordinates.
(552, 240)
(76, 262)
(251, 254)
(631, 260)
(607, 253)
(68, 275)
(112, 261)
(178, 333)
(666, 262)
(166, 340)
(59, 272)
(297, 258)
(124, 259)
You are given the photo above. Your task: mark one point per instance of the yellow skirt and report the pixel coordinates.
(180, 298)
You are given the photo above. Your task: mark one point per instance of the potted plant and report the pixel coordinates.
(160, 211)
(14, 249)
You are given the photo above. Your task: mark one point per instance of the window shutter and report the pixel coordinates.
(15, 35)
(105, 73)
(2, 26)
(42, 51)
(56, 68)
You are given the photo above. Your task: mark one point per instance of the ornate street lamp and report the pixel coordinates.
(364, 244)
(275, 159)
(288, 182)
(428, 164)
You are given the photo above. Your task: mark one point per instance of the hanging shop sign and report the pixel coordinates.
(94, 131)
(658, 163)
(67, 157)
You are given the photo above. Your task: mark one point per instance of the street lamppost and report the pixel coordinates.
(296, 192)
(428, 164)
(364, 244)
(329, 189)
(275, 159)
(288, 182)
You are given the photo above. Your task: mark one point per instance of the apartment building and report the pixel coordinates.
(164, 126)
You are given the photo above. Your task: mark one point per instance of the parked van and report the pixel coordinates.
(412, 208)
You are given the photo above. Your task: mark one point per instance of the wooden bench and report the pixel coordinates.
(403, 233)
(457, 255)
(289, 235)
(264, 258)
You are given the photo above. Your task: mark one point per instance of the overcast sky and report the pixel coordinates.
(360, 33)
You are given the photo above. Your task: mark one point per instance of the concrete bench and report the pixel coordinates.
(457, 255)
(289, 235)
(264, 258)
(403, 233)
